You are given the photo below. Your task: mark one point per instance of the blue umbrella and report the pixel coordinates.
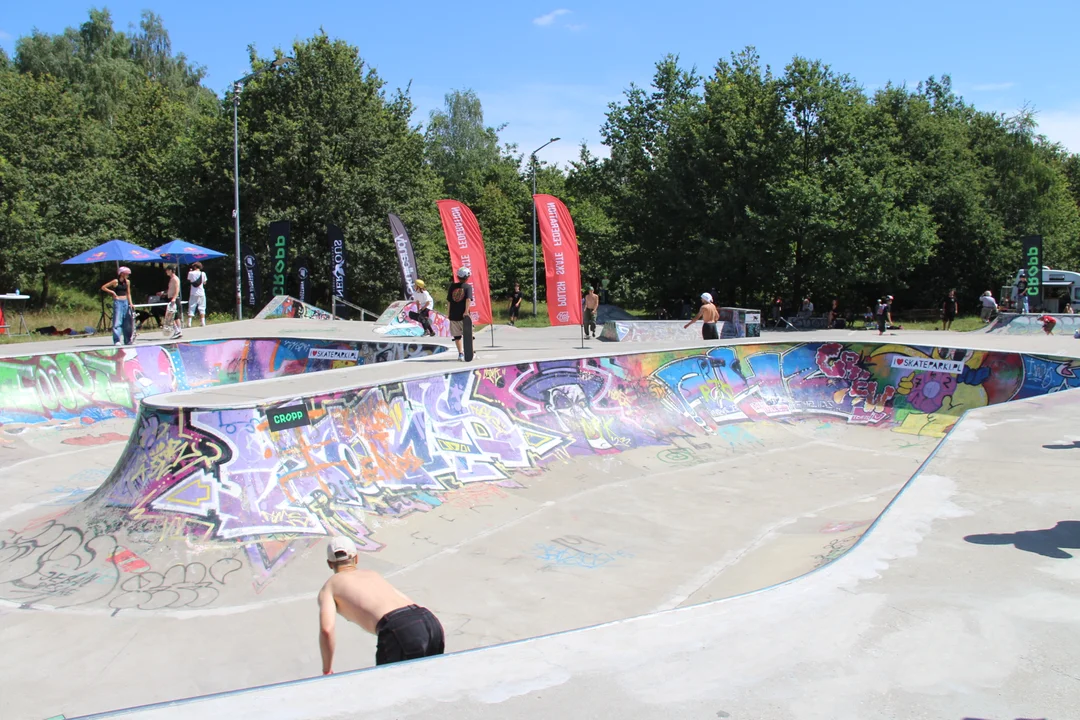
(182, 252)
(114, 251)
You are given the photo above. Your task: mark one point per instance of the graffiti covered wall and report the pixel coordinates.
(93, 385)
(653, 331)
(369, 455)
(285, 306)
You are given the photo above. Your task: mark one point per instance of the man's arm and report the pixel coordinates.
(700, 313)
(327, 617)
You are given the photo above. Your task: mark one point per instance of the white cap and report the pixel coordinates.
(706, 297)
(340, 548)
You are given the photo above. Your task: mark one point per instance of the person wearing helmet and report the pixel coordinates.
(424, 306)
(123, 317)
(458, 296)
(709, 316)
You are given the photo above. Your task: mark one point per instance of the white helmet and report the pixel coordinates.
(706, 297)
(464, 272)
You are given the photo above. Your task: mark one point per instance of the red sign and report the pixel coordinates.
(466, 245)
(561, 263)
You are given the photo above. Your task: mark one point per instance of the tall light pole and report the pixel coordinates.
(237, 87)
(535, 284)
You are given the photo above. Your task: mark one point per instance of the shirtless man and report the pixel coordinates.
(592, 303)
(173, 312)
(405, 630)
(709, 316)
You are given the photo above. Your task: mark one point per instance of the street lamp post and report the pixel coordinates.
(237, 87)
(535, 283)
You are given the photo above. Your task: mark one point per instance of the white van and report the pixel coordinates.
(1056, 283)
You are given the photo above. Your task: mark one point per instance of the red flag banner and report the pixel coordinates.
(466, 246)
(561, 263)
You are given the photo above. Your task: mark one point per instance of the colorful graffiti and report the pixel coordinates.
(94, 385)
(1012, 324)
(285, 306)
(395, 321)
(374, 455)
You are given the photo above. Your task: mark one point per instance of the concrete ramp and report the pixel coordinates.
(1015, 324)
(286, 306)
(651, 331)
(610, 313)
(91, 385)
(958, 603)
(395, 321)
(564, 493)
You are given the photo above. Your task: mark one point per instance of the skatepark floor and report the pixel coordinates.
(601, 539)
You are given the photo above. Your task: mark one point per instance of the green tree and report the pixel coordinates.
(322, 143)
(474, 169)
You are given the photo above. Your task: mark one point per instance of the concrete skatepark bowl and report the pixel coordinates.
(534, 492)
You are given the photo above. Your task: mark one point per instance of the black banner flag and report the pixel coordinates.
(251, 276)
(303, 280)
(406, 259)
(337, 260)
(279, 255)
(1032, 263)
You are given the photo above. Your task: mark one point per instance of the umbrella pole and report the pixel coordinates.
(102, 326)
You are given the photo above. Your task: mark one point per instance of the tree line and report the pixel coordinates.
(744, 182)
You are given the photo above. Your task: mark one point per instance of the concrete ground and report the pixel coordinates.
(567, 551)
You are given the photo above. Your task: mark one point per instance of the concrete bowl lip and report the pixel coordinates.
(165, 401)
(167, 343)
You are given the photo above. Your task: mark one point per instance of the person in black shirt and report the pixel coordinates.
(458, 296)
(1022, 304)
(949, 309)
(123, 317)
(515, 303)
(884, 314)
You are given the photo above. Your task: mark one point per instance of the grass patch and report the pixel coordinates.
(960, 324)
(72, 313)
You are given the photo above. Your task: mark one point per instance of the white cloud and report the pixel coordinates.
(992, 87)
(1061, 126)
(4, 35)
(545, 20)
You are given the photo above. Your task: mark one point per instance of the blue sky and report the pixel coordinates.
(550, 68)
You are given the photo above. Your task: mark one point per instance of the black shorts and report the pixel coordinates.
(514, 310)
(882, 322)
(408, 633)
(708, 331)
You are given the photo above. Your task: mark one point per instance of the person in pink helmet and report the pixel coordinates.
(123, 324)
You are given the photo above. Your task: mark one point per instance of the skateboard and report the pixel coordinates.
(467, 337)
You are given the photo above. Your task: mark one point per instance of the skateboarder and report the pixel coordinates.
(405, 630)
(458, 296)
(515, 303)
(424, 305)
(709, 316)
(884, 314)
(1048, 323)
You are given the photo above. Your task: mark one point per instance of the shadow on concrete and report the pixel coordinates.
(1048, 542)
(975, 718)
(1075, 445)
